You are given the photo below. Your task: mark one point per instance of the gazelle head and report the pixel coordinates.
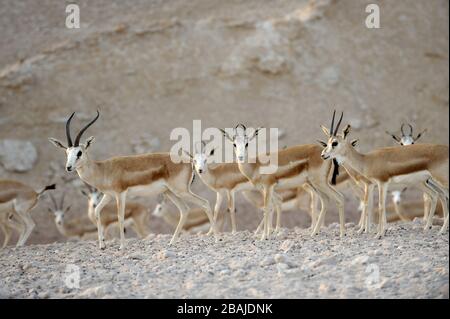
(240, 140)
(336, 146)
(75, 151)
(93, 195)
(200, 158)
(406, 138)
(397, 195)
(159, 209)
(58, 210)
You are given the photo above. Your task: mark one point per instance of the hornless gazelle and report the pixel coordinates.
(297, 165)
(18, 198)
(144, 174)
(197, 220)
(136, 214)
(425, 165)
(74, 228)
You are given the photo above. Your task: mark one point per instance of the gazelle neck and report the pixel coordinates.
(353, 159)
(89, 170)
(249, 170)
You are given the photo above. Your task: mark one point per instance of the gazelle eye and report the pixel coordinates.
(246, 144)
(79, 154)
(334, 144)
(234, 144)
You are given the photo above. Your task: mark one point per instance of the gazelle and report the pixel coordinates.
(18, 198)
(408, 139)
(135, 213)
(297, 165)
(141, 174)
(223, 178)
(196, 220)
(73, 228)
(422, 164)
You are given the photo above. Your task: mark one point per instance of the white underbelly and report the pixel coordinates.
(148, 190)
(411, 179)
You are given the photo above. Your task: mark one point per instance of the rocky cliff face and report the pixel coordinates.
(150, 66)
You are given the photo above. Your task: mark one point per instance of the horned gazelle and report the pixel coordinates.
(144, 174)
(422, 164)
(18, 198)
(408, 139)
(297, 165)
(73, 228)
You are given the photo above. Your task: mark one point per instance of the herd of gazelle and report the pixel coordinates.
(310, 167)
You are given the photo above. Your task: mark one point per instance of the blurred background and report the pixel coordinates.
(153, 65)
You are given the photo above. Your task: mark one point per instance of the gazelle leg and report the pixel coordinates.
(339, 199)
(382, 193)
(183, 214)
(426, 206)
(267, 192)
(121, 202)
(369, 214)
(6, 233)
(219, 198)
(101, 237)
(231, 209)
(260, 226)
(29, 226)
(204, 203)
(443, 194)
(324, 201)
(433, 195)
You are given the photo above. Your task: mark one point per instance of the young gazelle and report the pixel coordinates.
(18, 198)
(297, 165)
(74, 228)
(196, 221)
(140, 174)
(136, 214)
(421, 164)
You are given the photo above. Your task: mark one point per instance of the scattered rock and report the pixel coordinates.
(17, 155)
(164, 254)
(360, 260)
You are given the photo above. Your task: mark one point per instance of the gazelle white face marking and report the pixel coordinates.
(59, 217)
(75, 157)
(200, 162)
(396, 197)
(407, 140)
(158, 210)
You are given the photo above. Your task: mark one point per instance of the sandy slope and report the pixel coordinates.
(407, 263)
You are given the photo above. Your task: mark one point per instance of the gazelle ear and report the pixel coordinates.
(226, 135)
(67, 209)
(420, 134)
(322, 143)
(354, 142)
(346, 130)
(395, 137)
(56, 142)
(255, 133)
(188, 154)
(325, 130)
(88, 142)
(84, 193)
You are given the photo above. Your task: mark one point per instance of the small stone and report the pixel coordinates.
(360, 260)
(286, 245)
(164, 254)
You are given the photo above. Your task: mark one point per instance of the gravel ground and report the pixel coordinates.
(407, 263)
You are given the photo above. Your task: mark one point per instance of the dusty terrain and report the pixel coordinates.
(407, 263)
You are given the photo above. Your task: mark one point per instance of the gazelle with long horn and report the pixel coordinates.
(74, 228)
(144, 174)
(18, 198)
(297, 165)
(425, 165)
